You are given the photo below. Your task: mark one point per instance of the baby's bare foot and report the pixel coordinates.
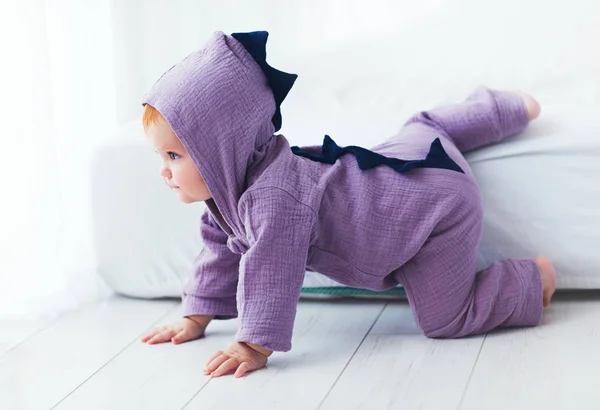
(533, 107)
(548, 278)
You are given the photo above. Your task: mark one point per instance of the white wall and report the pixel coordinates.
(401, 55)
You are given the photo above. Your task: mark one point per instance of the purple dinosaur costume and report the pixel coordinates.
(406, 212)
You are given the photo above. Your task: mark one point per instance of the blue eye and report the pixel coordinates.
(173, 156)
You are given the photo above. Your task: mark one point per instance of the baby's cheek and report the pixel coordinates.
(185, 174)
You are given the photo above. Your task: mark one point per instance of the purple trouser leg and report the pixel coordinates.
(450, 299)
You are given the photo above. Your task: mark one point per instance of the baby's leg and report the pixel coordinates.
(449, 299)
(485, 117)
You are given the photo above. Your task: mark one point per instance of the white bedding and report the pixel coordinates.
(541, 195)
(540, 190)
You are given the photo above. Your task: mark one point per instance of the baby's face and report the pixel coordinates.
(177, 170)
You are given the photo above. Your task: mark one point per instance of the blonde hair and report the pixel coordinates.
(150, 116)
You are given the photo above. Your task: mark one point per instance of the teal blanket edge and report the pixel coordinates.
(348, 291)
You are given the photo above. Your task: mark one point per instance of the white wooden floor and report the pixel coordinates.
(346, 355)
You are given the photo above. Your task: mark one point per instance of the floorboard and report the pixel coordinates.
(397, 367)
(45, 368)
(553, 366)
(346, 354)
(16, 331)
(327, 334)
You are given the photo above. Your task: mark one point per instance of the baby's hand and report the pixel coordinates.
(239, 357)
(189, 328)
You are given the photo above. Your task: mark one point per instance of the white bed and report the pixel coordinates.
(540, 190)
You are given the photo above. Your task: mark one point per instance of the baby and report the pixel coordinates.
(407, 212)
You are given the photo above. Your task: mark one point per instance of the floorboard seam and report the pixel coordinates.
(168, 312)
(462, 398)
(352, 356)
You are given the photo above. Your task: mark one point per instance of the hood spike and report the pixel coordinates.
(280, 82)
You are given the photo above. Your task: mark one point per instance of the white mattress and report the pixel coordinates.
(540, 190)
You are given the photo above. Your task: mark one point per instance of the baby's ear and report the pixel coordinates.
(280, 82)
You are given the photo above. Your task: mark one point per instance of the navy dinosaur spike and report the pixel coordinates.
(280, 82)
(436, 158)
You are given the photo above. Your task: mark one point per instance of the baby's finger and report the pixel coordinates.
(212, 366)
(242, 369)
(149, 335)
(213, 357)
(154, 332)
(162, 337)
(226, 367)
(182, 336)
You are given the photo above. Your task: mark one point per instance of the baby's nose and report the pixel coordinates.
(165, 172)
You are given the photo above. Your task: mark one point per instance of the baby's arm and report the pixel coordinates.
(271, 276)
(211, 293)
(272, 270)
(212, 290)
(485, 117)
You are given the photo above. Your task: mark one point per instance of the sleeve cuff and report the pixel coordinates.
(221, 308)
(512, 112)
(530, 311)
(273, 342)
